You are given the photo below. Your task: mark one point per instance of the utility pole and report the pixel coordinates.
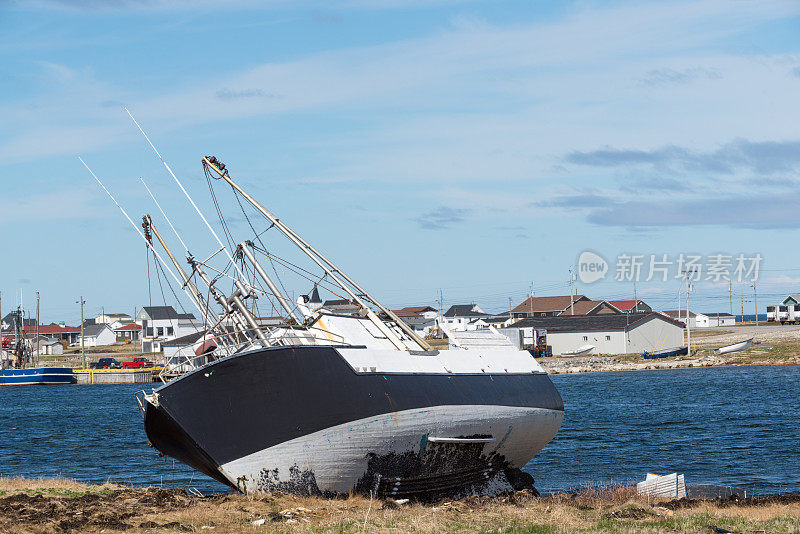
(571, 293)
(83, 347)
(688, 328)
(531, 301)
(730, 294)
(37, 329)
(509, 309)
(742, 293)
(755, 297)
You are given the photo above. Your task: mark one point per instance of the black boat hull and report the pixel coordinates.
(300, 419)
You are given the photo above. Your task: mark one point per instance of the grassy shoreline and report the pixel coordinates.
(58, 505)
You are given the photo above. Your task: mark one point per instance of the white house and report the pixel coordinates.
(607, 333)
(47, 346)
(421, 318)
(95, 335)
(680, 315)
(706, 320)
(110, 318)
(460, 317)
(163, 323)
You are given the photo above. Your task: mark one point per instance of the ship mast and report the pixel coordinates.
(326, 265)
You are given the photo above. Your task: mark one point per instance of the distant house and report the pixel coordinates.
(163, 323)
(421, 318)
(497, 321)
(341, 306)
(631, 306)
(129, 331)
(47, 346)
(616, 333)
(545, 306)
(111, 318)
(96, 335)
(58, 332)
(9, 322)
(680, 315)
(459, 316)
(706, 320)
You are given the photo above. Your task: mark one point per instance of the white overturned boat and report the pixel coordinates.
(332, 402)
(581, 351)
(736, 347)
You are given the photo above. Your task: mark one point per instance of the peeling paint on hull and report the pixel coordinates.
(299, 419)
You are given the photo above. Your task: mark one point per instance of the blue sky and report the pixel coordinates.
(473, 147)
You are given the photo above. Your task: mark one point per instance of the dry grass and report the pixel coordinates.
(45, 506)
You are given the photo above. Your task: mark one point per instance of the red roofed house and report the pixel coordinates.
(59, 332)
(631, 306)
(129, 331)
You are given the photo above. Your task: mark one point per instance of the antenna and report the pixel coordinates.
(188, 197)
(149, 245)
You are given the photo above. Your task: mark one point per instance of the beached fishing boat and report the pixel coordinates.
(581, 351)
(328, 401)
(736, 347)
(669, 353)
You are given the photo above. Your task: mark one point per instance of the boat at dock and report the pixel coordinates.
(37, 376)
(15, 358)
(668, 353)
(330, 402)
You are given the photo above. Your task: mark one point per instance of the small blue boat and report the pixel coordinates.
(665, 353)
(36, 376)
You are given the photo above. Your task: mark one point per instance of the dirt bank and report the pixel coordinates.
(61, 506)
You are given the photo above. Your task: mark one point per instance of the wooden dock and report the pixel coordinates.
(116, 376)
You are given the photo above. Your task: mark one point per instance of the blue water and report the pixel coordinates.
(725, 425)
(735, 425)
(750, 318)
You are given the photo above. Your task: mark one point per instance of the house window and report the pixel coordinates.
(544, 315)
(608, 338)
(160, 330)
(169, 330)
(586, 338)
(149, 331)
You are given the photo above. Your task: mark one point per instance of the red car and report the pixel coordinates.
(137, 363)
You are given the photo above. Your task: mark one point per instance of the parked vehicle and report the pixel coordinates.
(137, 363)
(106, 363)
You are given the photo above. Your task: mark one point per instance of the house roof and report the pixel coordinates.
(92, 330)
(127, 327)
(546, 304)
(585, 323)
(114, 315)
(794, 296)
(419, 309)
(165, 312)
(52, 329)
(582, 307)
(405, 312)
(624, 305)
(678, 314)
(717, 314)
(464, 310)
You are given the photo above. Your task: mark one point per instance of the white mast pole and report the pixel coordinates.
(189, 197)
(149, 245)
